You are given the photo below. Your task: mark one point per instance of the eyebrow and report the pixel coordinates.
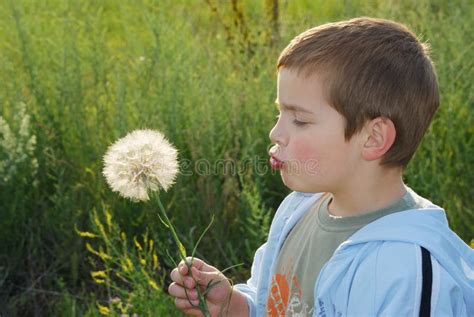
(291, 107)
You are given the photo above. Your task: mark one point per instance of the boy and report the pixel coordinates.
(355, 99)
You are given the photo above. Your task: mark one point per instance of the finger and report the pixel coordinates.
(177, 290)
(176, 276)
(181, 279)
(183, 267)
(185, 281)
(190, 281)
(184, 304)
(193, 312)
(203, 278)
(198, 263)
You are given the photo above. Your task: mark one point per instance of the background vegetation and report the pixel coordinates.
(77, 75)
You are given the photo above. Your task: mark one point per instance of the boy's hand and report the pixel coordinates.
(217, 298)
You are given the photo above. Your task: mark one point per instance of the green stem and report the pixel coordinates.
(181, 249)
(182, 253)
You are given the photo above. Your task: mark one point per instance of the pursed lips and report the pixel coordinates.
(275, 163)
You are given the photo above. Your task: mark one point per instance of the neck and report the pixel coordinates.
(368, 194)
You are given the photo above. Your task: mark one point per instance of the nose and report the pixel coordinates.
(277, 135)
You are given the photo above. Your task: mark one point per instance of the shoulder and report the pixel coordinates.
(385, 273)
(370, 279)
(391, 277)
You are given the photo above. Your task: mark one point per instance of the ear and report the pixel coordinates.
(381, 135)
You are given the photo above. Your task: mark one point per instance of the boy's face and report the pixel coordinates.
(310, 148)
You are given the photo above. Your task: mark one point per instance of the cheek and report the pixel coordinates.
(305, 151)
(306, 158)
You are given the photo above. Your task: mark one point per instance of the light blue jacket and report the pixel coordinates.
(377, 271)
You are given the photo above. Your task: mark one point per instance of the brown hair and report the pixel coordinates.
(371, 68)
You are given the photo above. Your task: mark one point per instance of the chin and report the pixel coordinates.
(299, 185)
(296, 185)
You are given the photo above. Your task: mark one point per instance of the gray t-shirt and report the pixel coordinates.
(310, 244)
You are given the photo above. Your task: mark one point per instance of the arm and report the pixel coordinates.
(249, 289)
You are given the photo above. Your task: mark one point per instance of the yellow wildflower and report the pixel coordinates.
(124, 267)
(151, 243)
(103, 310)
(104, 256)
(137, 244)
(153, 285)
(91, 249)
(99, 224)
(130, 264)
(84, 234)
(99, 274)
(108, 218)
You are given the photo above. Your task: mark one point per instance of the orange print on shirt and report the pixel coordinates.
(280, 294)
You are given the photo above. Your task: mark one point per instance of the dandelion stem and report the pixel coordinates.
(182, 253)
(164, 216)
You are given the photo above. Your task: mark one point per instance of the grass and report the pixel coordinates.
(203, 73)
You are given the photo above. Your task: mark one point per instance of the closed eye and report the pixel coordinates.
(299, 123)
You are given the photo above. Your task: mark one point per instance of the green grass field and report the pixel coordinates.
(77, 75)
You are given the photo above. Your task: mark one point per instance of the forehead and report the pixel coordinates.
(294, 89)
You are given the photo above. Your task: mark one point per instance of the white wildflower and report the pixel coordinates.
(17, 147)
(141, 162)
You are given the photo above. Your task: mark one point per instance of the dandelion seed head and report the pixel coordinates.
(141, 162)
